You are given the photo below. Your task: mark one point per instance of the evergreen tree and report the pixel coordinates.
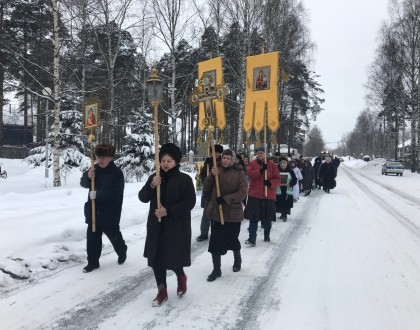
(314, 143)
(137, 156)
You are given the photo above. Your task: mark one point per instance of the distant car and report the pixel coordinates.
(393, 167)
(366, 158)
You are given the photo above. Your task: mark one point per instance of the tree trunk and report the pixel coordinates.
(57, 136)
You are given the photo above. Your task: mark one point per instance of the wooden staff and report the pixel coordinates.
(265, 144)
(92, 180)
(216, 177)
(155, 108)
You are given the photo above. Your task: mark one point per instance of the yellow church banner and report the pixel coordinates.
(213, 68)
(261, 89)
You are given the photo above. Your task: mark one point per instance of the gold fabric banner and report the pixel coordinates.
(214, 68)
(261, 88)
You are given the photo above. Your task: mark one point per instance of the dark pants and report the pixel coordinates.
(94, 242)
(205, 221)
(253, 226)
(160, 275)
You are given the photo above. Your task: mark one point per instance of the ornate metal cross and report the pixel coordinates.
(208, 94)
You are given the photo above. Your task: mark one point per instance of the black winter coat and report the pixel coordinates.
(327, 174)
(168, 243)
(308, 177)
(109, 186)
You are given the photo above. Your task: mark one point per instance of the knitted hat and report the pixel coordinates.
(172, 150)
(259, 149)
(104, 150)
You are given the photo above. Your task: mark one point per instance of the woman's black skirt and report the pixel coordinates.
(224, 237)
(260, 209)
(284, 203)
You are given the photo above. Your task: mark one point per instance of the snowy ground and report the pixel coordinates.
(345, 260)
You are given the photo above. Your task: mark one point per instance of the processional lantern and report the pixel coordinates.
(154, 88)
(154, 93)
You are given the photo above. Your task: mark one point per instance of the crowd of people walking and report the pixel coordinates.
(234, 189)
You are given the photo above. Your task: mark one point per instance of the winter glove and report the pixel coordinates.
(220, 200)
(267, 183)
(92, 194)
(263, 168)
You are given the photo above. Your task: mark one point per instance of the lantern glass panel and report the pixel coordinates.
(155, 90)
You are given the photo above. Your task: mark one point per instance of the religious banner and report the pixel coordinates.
(212, 68)
(261, 91)
(91, 115)
(90, 111)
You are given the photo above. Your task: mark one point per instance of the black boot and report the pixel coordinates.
(216, 267)
(237, 261)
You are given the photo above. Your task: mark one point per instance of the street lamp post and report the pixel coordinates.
(47, 92)
(154, 93)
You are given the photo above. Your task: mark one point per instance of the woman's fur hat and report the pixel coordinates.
(172, 150)
(104, 150)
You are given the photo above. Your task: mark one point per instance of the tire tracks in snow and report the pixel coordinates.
(259, 296)
(412, 199)
(376, 198)
(90, 313)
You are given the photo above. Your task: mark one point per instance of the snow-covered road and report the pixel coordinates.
(345, 260)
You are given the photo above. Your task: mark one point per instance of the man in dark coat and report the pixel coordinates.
(108, 196)
(168, 241)
(205, 197)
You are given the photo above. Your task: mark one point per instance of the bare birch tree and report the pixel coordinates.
(170, 26)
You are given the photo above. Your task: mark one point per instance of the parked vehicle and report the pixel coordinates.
(393, 167)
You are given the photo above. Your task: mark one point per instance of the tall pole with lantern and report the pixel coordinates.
(154, 93)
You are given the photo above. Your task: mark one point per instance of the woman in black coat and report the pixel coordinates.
(308, 177)
(284, 192)
(327, 174)
(316, 166)
(168, 242)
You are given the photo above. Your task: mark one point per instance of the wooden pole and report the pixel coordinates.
(213, 152)
(92, 180)
(155, 108)
(265, 144)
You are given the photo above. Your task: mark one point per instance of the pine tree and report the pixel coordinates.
(137, 156)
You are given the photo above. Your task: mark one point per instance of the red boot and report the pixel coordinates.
(161, 297)
(182, 285)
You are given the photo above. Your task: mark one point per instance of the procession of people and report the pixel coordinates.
(269, 185)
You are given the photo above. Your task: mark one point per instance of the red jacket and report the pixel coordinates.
(256, 184)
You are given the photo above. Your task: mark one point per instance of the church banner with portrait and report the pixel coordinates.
(261, 90)
(90, 115)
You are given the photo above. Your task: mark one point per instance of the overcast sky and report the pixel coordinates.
(345, 32)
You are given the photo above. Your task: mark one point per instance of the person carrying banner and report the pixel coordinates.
(108, 196)
(233, 189)
(260, 205)
(205, 197)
